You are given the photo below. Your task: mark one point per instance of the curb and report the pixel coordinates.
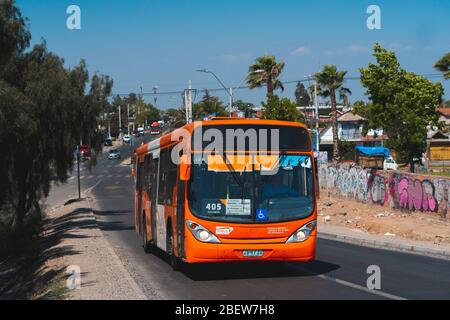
(126, 275)
(387, 245)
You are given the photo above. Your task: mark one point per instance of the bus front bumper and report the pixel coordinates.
(197, 252)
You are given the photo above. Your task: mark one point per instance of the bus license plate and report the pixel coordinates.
(253, 253)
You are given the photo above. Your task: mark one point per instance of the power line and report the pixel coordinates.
(162, 93)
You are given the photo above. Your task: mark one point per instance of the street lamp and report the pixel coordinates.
(230, 90)
(317, 109)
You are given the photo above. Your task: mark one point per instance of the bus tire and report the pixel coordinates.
(175, 262)
(145, 243)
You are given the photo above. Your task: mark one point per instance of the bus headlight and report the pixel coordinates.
(303, 233)
(201, 233)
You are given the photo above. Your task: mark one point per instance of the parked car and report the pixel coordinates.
(108, 142)
(390, 164)
(126, 138)
(136, 133)
(141, 131)
(114, 154)
(155, 129)
(85, 151)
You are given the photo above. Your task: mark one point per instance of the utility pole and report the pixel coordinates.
(120, 122)
(155, 99)
(190, 102)
(78, 172)
(128, 117)
(230, 108)
(317, 115)
(186, 111)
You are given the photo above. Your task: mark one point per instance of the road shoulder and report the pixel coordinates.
(74, 233)
(361, 238)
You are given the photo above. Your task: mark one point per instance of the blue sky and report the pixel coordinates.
(163, 42)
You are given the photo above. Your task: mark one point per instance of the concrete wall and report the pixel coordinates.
(410, 192)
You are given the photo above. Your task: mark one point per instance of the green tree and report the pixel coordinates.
(346, 150)
(331, 81)
(265, 72)
(403, 104)
(443, 65)
(15, 36)
(207, 106)
(176, 117)
(281, 109)
(302, 96)
(245, 107)
(44, 113)
(147, 113)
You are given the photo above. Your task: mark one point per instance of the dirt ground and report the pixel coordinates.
(73, 241)
(375, 219)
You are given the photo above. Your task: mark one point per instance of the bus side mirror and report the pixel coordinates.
(185, 172)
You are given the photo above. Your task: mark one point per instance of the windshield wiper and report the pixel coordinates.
(235, 177)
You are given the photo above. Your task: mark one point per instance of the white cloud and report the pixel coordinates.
(300, 51)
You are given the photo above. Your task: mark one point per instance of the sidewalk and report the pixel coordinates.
(74, 234)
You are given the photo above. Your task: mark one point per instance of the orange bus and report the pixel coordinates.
(212, 207)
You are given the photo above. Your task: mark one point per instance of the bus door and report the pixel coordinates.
(179, 202)
(139, 185)
(153, 199)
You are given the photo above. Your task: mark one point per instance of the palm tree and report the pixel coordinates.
(344, 96)
(265, 72)
(331, 81)
(443, 65)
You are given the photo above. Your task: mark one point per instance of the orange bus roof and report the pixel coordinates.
(167, 138)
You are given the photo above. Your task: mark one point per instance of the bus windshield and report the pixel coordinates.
(250, 193)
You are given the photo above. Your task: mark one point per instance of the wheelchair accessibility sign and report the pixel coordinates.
(261, 214)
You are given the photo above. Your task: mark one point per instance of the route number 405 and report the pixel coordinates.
(213, 206)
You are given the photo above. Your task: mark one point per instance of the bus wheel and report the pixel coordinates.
(147, 245)
(174, 261)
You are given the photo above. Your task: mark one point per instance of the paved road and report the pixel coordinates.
(340, 271)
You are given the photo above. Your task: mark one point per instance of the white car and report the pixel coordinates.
(114, 154)
(126, 138)
(390, 164)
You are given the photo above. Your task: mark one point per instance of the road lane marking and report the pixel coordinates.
(89, 190)
(362, 288)
(351, 284)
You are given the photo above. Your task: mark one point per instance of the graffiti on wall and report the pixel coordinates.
(394, 189)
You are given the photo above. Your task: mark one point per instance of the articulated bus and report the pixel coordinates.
(234, 202)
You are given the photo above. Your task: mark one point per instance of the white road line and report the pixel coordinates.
(352, 285)
(100, 176)
(362, 288)
(71, 178)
